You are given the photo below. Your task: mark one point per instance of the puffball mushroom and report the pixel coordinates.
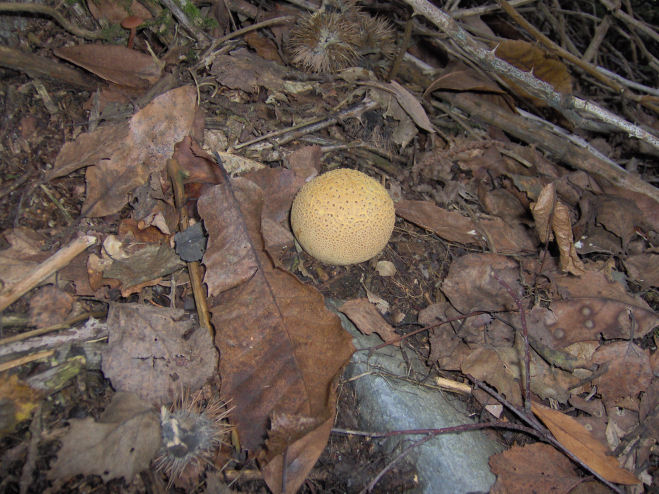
(343, 217)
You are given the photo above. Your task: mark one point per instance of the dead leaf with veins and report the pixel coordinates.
(121, 444)
(156, 352)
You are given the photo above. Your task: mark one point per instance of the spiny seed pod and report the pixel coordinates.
(376, 36)
(324, 42)
(191, 433)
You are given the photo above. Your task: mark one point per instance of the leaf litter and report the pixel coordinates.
(485, 226)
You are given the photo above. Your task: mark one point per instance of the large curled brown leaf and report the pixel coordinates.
(281, 349)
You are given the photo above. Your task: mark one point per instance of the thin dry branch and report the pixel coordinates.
(44, 270)
(35, 8)
(568, 105)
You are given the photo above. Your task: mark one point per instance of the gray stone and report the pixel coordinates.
(391, 397)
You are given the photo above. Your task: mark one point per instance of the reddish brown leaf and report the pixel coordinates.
(628, 371)
(470, 284)
(367, 318)
(533, 468)
(114, 63)
(50, 305)
(455, 227)
(115, 12)
(581, 443)
(552, 216)
(282, 350)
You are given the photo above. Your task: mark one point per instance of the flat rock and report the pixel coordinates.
(390, 399)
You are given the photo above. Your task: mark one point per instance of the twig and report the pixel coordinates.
(614, 8)
(35, 8)
(564, 103)
(26, 360)
(50, 266)
(175, 7)
(525, 338)
(32, 452)
(56, 327)
(541, 431)
(207, 57)
(194, 270)
(299, 130)
(553, 47)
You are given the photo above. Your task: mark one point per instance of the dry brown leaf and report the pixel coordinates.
(412, 106)
(115, 12)
(264, 47)
(530, 58)
(471, 286)
(587, 319)
(50, 305)
(628, 371)
(581, 443)
(562, 228)
(247, 71)
(618, 215)
(552, 216)
(121, 444)
(122, 157)
(455, 227)
(114, 63)
(282, 349)
(156, 352)
(486, 365)
(22, 255)
(449, 225)
(643, 268)
(367, 319)
(535, 467)
(458, 77)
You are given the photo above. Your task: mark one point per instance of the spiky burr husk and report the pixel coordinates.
(324, 42)
(192, 430)
(376, 36)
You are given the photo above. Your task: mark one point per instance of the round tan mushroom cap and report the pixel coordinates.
(343, 217)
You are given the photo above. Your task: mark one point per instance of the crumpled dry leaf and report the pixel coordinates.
(535, 467)
(247, 71)
(122, 157)
(455, 227)
(581, 443)
(121, 444)
(643, 268)
(282, 349)
(552, 216)
(470, 284)
(367, 319)
(50, 305)
(628, 371)
(21, 256)
(114, 63)
(156, 352)
(412, 106)
(137, 263)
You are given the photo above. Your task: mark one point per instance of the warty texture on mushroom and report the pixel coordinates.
(343, 217)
